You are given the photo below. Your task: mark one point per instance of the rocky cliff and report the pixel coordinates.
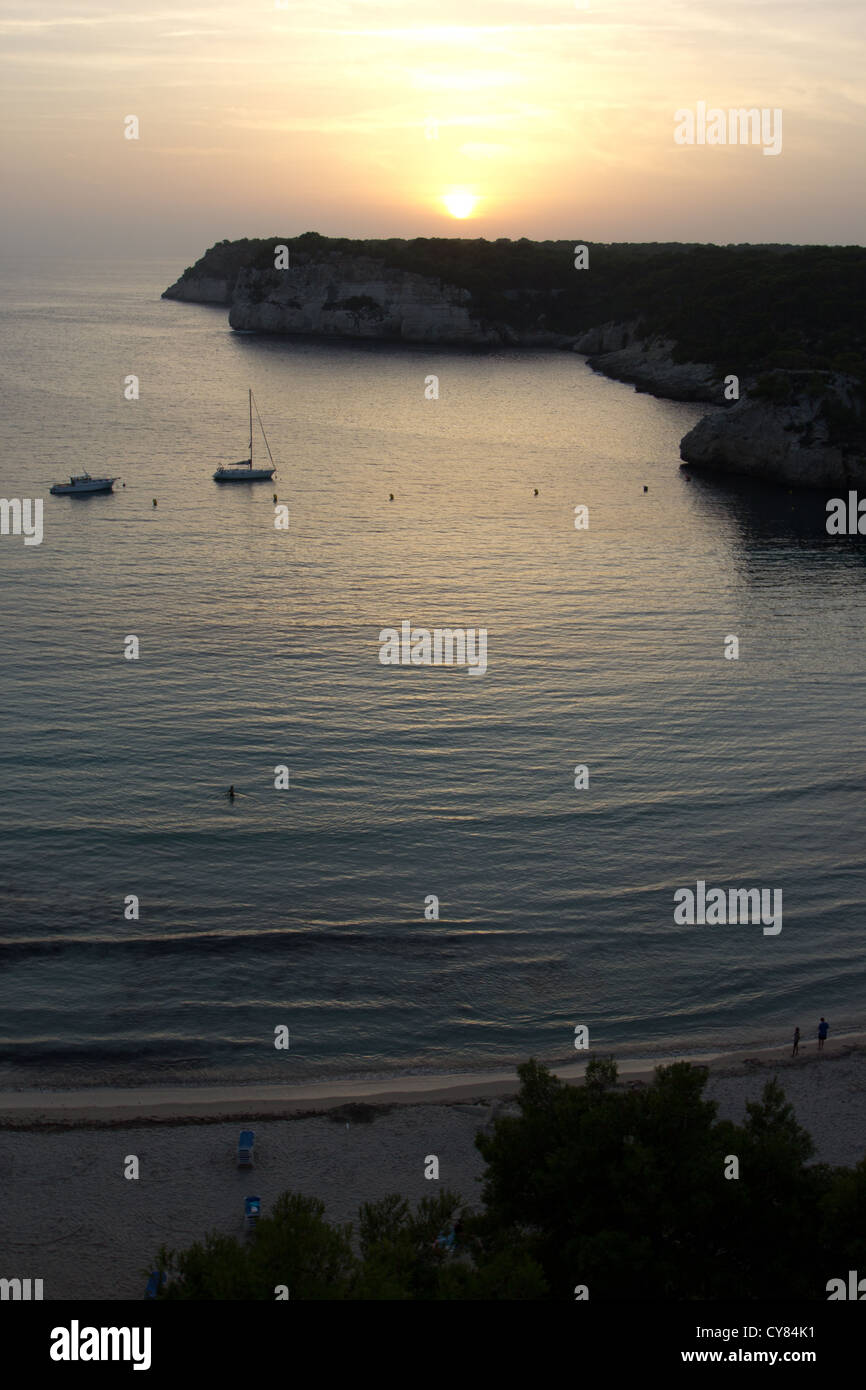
(803, 429)
(353, 297)
(200, 289)
(341, 296)
(616, 350)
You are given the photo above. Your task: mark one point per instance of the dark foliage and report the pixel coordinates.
(629, 1192)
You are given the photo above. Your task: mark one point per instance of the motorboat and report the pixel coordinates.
(81, 483)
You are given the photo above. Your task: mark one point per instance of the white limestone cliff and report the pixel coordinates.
(616, 350)
(794, 441)
(200, 289)
(352, 297)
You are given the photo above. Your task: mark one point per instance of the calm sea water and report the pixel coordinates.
(305, 906)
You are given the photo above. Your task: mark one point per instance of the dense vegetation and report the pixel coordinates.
(623, 1191)
(740, 308)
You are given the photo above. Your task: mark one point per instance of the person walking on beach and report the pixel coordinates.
(796, 1048)
(823, 1030)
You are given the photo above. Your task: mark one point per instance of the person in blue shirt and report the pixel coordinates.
(823, 1030)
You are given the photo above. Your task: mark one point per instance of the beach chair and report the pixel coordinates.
(252, 1211)
(246, 1146)
(156, 1281)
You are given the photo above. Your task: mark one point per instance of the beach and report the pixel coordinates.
(72, 1219)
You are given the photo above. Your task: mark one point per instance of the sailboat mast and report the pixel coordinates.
(264, 436)
(251, 426)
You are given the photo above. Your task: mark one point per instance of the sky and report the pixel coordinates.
(540, 118)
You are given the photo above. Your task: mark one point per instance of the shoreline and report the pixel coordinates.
(115, 1107)
(74, 1222)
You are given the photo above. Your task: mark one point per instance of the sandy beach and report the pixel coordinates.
(72, 1219)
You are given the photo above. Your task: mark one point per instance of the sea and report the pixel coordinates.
(409, 880)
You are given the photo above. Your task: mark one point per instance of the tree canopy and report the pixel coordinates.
(630, 1192)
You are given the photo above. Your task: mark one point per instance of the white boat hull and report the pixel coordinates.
(243, 475)
(81, 486)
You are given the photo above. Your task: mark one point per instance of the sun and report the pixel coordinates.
(460, 203)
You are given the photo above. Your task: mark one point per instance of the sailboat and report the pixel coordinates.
(244, 472)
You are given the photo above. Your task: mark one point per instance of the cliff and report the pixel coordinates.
(200, 289)
(648, 363)
(345, 296)
(803, 429)
(355, 297)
